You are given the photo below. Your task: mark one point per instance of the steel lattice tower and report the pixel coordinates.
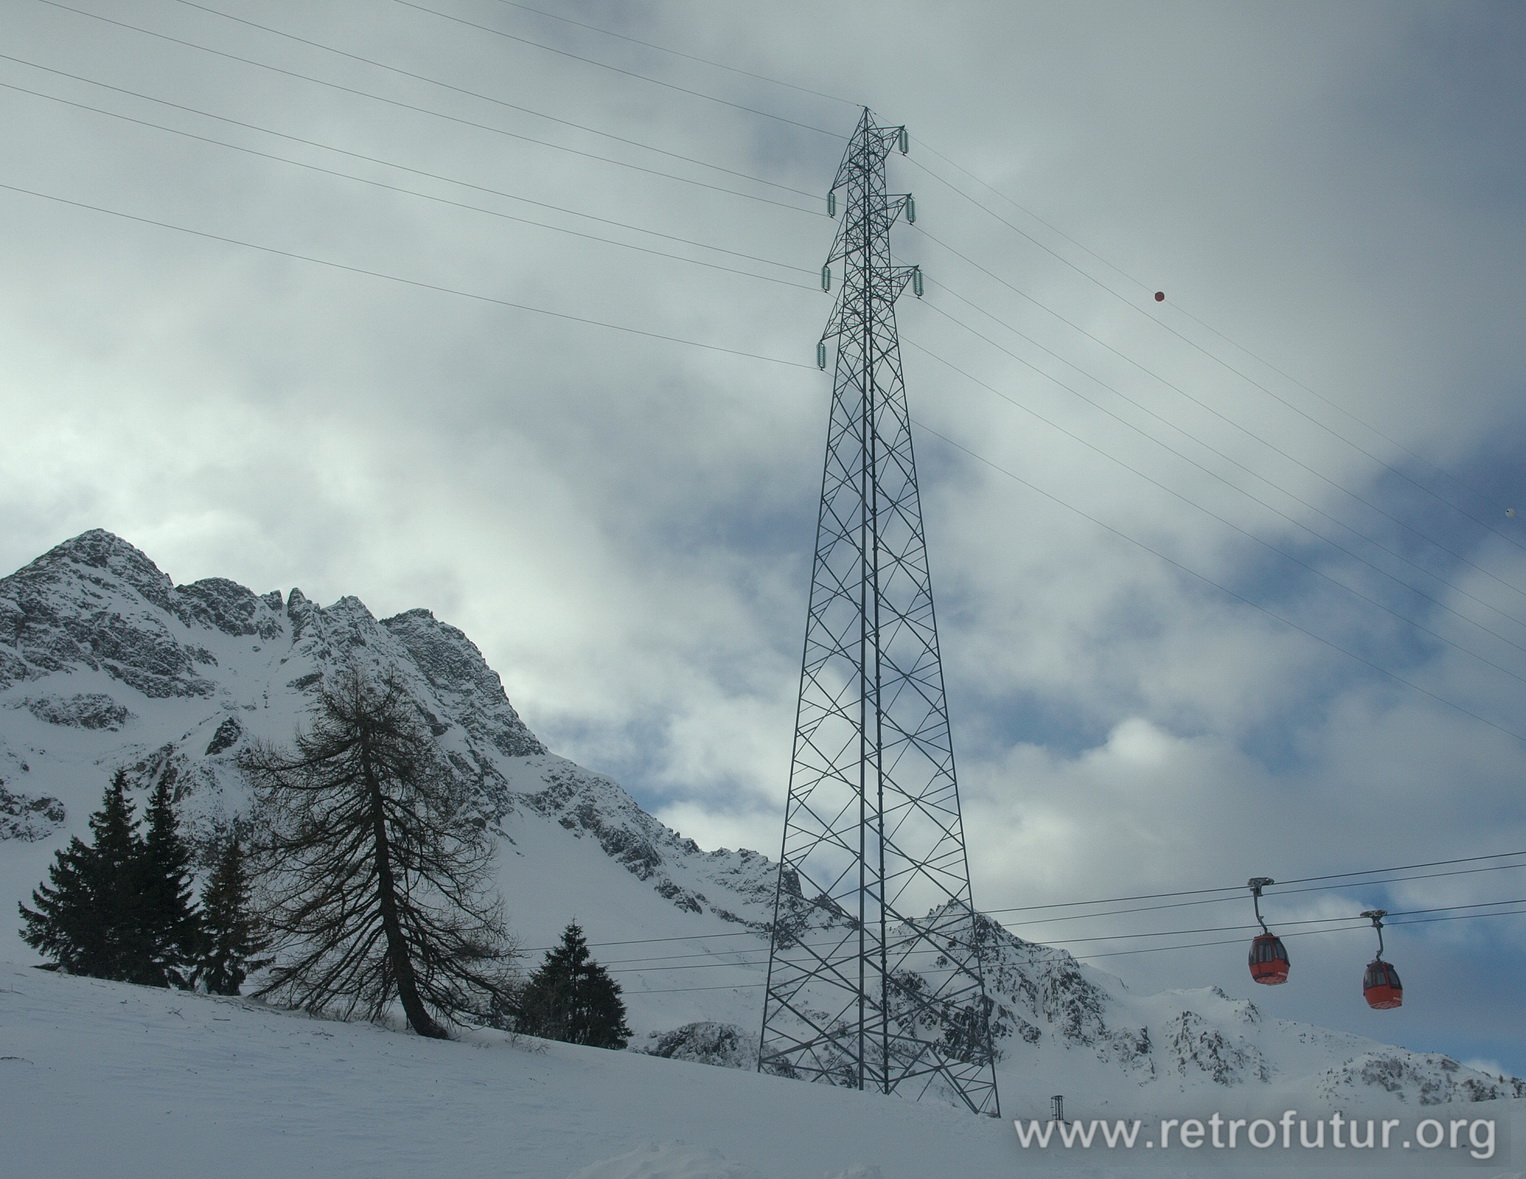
(874, 974)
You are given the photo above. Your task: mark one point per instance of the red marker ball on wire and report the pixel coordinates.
(1160, 296)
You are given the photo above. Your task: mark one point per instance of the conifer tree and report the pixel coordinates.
(89, 920)
(232, 939)
(170, 925)
(572, 998)
(373, 869)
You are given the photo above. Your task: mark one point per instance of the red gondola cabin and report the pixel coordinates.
(1381, 986)
(1268, 960)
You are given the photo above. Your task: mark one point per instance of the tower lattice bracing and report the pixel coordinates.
(874, 977)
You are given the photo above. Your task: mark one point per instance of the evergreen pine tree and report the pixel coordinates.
(231, 936)
(171, 927)
(373, 867)
(89, 920)
(572, 998)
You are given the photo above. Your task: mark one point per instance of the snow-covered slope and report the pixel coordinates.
(102, 1078)
(105, 662)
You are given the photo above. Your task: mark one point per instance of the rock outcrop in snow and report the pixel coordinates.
(176, 680)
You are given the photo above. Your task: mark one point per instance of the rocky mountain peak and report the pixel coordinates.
(101, 558)
(93, 631)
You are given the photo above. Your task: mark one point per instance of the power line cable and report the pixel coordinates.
(1221, 416)
(1204, 578)
(1378, 544)
(616, 69)
(1237, 889)
(659, 963)
(1237, 899)
(54, 2)
(1126, 953)
(1295, 933)
(677, 53)
(1281, 925)
(1335, 924)
(1401, 868)
(636, 965)
(367, 158)
(678, 990)
(1252, 536)
(191, 3)
(1217, 359)
(933, 151)
(496, 101)
(1462, 917)
(412, 282)
(398, 103)
(643, 941)
(636, 331)
(445, 200)
(665, 961)
(1243, 531)
(1442, 471)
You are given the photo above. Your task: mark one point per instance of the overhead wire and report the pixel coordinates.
(658, 335)
(1046, 248)
(1334, 880)
(1296, 933)
(1273, 447)
(1284, 453)
(1320, 573)
(1238, 891)
(942, 287)
(677, 53)
(1285, 929)
(1359, 594)
(418, 283)
(1088, 957)
(990, 212)
(1281, 925)
(1394, 442)
(1133, 305)
(1277, 885)
(493, 99)
(369, 61)
(644, 965)
(1220, 900)
(1202, 577)
(398, 103)
(424, 195)
(618, 70)
(644, 941)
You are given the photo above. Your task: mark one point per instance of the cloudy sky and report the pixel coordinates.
(454, 304)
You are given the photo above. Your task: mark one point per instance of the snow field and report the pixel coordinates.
(110, 1079)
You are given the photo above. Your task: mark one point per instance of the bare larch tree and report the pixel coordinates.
(373, 867)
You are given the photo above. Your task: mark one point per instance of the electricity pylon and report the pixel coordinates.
(874, 973)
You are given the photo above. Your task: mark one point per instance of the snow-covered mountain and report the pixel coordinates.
(104, 662)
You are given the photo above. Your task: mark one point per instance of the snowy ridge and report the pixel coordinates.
(105, 662)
